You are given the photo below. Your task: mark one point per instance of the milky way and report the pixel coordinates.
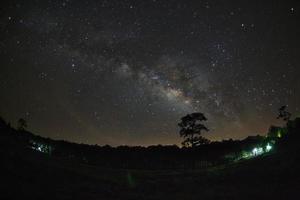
(125, 72)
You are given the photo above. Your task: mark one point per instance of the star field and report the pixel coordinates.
(124, 72)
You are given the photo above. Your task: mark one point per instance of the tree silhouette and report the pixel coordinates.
(284, 114)
(22, 124)
(191, 128)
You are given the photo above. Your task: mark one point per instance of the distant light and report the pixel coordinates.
(260, 150)
(279, 134)
(254, 151)
(246, 155)
(268, 147)
(186, 101)
(257, 151)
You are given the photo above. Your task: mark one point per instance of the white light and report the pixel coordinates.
(260, 150)
(254, 151)
(257, 151)
(268, 147)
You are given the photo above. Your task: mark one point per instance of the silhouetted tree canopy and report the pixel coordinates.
(191, 128)
(284, 114)
(22, 124)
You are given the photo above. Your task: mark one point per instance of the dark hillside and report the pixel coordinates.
(33, 174)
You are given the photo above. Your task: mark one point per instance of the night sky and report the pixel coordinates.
(124, 72)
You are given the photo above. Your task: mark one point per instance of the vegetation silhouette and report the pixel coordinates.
(22, 124)
(133, 157)
(32, 164)
(284, 114)
(191, 128)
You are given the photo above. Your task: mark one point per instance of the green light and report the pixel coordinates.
(246, 155)
(279, 134)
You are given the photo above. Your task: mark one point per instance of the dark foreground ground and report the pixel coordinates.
(33, 175)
